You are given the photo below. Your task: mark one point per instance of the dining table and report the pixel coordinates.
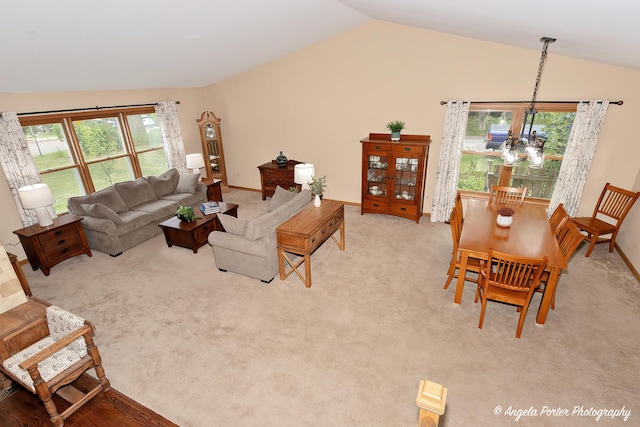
(529, 235)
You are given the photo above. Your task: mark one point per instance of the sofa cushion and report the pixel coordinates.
(107, 196)
(187, 183)
(280, 197)
(98, 210)
(258, 227)
(132, 220)
(158, 209)
(166, 183)
(233, 225)
(135, 192)
(185, 199)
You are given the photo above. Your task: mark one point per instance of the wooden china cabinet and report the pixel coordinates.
(394, 174)
(212, 149)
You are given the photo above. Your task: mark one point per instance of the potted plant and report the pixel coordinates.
(317, 186)
(395, 128)
(505, 217)
(185, 213)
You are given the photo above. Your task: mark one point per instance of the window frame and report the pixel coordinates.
(79, 162)
(518, 110)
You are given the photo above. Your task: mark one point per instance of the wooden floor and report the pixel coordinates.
(110, 409)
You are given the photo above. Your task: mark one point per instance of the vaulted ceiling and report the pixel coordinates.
(82, 45)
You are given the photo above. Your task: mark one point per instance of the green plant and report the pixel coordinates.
(396, 126)
(293, 189)
(185, 213)
(317, 185)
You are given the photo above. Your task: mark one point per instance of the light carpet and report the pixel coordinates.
(207, 348)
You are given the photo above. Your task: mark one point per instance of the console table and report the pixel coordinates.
(304, 232)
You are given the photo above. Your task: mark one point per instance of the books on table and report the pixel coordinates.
(209, 208)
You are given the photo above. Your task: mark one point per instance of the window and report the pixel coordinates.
(79, 153)
(487, 129)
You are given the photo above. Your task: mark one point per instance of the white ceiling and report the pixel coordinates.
(82, 45)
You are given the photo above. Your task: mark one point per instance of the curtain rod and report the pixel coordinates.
(537, 102)
(89, 108)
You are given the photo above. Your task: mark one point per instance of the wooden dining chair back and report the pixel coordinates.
(458, 206)
(612, 207)
(569, 238)
(507, 195)
(509, 279)
(558, 218)
(473, 264)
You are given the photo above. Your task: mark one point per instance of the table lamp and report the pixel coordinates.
(38, 197)
(195, 162)
(302, 174)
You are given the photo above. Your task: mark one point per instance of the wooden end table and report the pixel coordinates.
(193, 235)
(304, 232)
(52, 244)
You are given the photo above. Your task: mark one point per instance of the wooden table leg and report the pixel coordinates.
(547, 297)
(281, 263)
(462, 272)
(307, 270)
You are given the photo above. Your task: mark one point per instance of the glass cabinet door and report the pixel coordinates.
(406, 178)
(377, 174)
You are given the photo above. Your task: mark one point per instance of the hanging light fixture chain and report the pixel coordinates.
(543, 57)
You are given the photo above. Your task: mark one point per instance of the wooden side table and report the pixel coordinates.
(50, 245)
(272, 175)
(214, 189)
(304, 232)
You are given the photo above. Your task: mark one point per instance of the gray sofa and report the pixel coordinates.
(128, 213)
(249, 246)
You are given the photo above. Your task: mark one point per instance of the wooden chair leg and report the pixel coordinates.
(484, 306)
(43, 393)
(592, 244)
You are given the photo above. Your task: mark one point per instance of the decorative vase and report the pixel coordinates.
(317, 201)
(395, 136)
(281, 160)
(504, 221)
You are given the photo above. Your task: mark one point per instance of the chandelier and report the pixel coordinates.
(534, 145)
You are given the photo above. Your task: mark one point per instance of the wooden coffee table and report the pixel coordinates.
(193, 235)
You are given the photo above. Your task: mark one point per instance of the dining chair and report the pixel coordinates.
(473, 264)
(507, 195)
(612, 207)
(458, 206)
(510, 279)
(558, 218)
(569, 238)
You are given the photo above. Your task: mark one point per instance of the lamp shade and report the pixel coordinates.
(195, 161)
(36, 196)
(302, 174)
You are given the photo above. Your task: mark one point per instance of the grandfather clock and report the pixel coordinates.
(212, 149)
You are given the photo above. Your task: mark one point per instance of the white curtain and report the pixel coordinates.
(17, 163)
(167, 112)
(449, 163)
(578, 155)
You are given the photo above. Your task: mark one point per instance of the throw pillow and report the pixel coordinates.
(98, 210)
(166, 183)
(136, 192)
(109, 197)
(187, 183)
(280, 197)
(232, 224)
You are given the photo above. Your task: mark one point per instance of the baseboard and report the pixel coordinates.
(628, 262)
